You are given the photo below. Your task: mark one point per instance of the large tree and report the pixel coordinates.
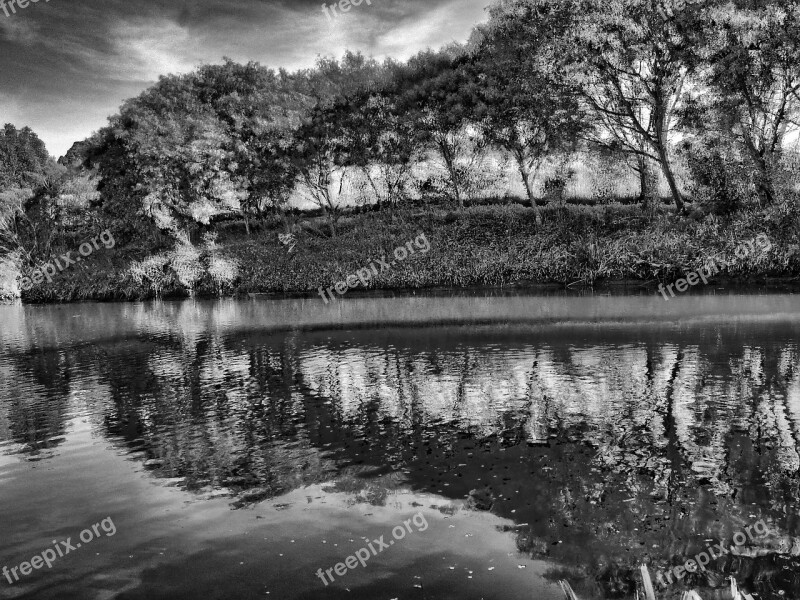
(749, 53)
(258, 109)
(315, 155)
(320, 151)
(23, 157)
(630, 59)
(197, 146)
(32, 205)
(379, 143)
(436, 94)
(526, 106)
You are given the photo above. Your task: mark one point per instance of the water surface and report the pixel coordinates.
(240, 446)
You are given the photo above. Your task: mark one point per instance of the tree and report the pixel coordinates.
(42, 222)
(320, 151)
(526, 106)
(271, 173)
(630, 60)
(23, 156)
(195, 147)
(257, 109)
(436, 95)
(12, 210)
(379, 143)
(750, 59)
(31, 186)
(173, 155)
(315, 154)
(353, 74)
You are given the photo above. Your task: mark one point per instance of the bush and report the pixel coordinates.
(186, 265)
(722, 182)
(10, 274)
(153, 271)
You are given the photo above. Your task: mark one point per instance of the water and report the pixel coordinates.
(238, 447)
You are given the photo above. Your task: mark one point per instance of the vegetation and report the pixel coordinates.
(489, 245)
(197, 176)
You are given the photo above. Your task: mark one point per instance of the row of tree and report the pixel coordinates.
(648, 82)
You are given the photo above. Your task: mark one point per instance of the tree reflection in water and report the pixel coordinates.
(609, 446)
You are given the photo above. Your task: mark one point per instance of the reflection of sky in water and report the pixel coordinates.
(574, 449)
(170, 543)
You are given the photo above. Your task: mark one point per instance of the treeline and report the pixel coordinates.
(713, 85)
(701, 95)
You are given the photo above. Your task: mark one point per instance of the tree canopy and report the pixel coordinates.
(653, 83)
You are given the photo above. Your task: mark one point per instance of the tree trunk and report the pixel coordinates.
(525, 173)
(459, 199)
(378, 199)
(667, 169)
(450, 163)
(662, 147)
(764, 188)
(641, 167)
(648, 182)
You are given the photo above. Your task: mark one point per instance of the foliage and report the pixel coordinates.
(632, 87)
(379, 143)
(436, 94)
(721, 179)
(153, 271)
(751, 55)
(223, 271)
(185, 262)
(184, 268)
(10, 275)
(23, 157)
(525, 104)
(630, 60)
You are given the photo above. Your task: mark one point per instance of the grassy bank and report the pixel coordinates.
(479, 246)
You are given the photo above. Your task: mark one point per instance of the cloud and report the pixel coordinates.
(439, 26)
(66, 65)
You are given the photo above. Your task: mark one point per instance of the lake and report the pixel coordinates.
(472, 446)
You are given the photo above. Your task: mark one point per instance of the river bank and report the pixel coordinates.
(479, 247)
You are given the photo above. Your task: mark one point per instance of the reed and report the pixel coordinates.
(648, 590)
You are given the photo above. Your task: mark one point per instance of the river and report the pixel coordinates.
(245, 448)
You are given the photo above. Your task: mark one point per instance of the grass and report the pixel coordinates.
(486, 245)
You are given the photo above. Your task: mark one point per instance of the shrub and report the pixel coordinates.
(722, 182)
(153, 270)
(185, 262)
(10, 273)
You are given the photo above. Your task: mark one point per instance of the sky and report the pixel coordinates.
(67, 65)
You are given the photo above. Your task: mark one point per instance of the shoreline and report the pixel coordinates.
(617, 287)
(486, 247)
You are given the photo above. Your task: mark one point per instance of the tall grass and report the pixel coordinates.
(489, 245)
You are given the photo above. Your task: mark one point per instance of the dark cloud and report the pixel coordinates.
(66, 65)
